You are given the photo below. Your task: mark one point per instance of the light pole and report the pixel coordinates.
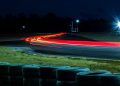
(74, 28)
(77, 22)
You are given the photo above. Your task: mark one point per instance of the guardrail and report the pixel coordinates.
(37, 75)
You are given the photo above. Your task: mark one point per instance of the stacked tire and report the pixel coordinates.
(31, 75)
(16, 75)
(4, 74)
(110, 80)
(48, 75)
(67, 76)
(36, 75)
(92, 78)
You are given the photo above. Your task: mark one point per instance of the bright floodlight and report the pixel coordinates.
(118, 24)
(77, 21)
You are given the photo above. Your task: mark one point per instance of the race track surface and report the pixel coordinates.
(89, 48)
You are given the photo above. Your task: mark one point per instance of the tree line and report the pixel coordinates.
(49, 23)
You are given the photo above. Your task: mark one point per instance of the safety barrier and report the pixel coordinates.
(67, 76)
(16, 74)
(48, 76)
(31, 75)
(4, 74)
(91, 78)
(37, 75)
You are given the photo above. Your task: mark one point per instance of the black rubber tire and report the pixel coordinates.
(4, 68)
(31, 71)
(68, 83)
(32, 82)
(91, 78)
(48, 82)
(16, 70)
(100, 72)
(81, 69)
(69, 74)
(4, 80)
(49, 72)
(110, 80)
(16, 81)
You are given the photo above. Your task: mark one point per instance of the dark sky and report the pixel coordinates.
(75, 8)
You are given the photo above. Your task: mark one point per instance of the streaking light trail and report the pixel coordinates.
(42, 38)
(50, 39)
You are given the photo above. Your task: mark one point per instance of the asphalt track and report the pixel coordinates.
(89, 51)
(101, 50)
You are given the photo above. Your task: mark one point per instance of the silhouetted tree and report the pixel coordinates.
(50, 23)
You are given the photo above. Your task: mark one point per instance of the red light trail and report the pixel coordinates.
(41, 38)
(50, 39)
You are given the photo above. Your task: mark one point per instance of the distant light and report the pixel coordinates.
(23, 26)
(77, 20)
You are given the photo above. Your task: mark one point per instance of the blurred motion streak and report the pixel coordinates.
(46, 40)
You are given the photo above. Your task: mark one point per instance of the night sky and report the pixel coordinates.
(73, 8)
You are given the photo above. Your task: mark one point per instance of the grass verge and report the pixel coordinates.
(19, 57)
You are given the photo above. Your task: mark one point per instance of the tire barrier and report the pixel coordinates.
(16, 75)
(16, 81)
(4, 80)
(91, 78)
(48, 82)
(67, 76)
(16, 70)
(31, 75)
(4, 74)
(48, 75)
(32, 82)
(48, 72)
(36, 75)
(110, 80)
(31, 71)
(4, 68)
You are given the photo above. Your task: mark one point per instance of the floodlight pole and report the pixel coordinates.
(74, 29)
(77, 21)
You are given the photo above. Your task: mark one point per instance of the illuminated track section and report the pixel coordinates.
(55, 44)
(42, 38)
(52, 39)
